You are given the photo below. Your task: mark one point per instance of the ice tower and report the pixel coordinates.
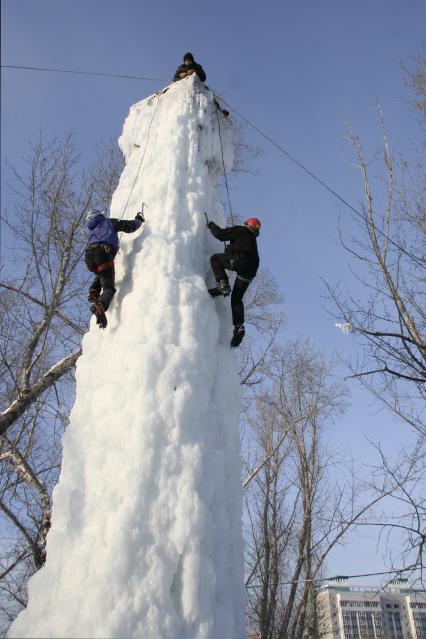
(146, 527)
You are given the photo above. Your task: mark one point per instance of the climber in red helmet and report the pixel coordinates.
(240, 255)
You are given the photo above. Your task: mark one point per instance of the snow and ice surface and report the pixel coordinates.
(146, 528)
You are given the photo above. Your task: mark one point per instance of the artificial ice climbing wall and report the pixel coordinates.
(146, 525)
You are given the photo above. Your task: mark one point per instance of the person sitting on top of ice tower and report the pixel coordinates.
(240, 255)
(189, 67)
(101, 249)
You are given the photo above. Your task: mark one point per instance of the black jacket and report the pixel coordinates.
(185, 67)
(242, 247)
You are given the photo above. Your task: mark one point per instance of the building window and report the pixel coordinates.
(419, 619)
(350, 625)
(395, 628)
(371, 604)
(377, 618)
(366, 625)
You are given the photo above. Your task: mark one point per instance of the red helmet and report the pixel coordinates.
(253, 222)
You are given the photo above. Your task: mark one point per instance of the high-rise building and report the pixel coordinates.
(363, 612)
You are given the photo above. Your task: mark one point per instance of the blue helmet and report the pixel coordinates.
(92, 214)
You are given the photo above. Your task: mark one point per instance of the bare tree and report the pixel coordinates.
(295, 517)
(42, 319)
(264, 318)
(244, 154)
(391, 319)
(415, 78)
(106, 173)
(401, 522)
(389, 322)
(296, 510)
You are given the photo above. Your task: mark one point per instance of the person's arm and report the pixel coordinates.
(181, 72)
(199, 71)
(127, 226)
(93, 222)
(221, 234)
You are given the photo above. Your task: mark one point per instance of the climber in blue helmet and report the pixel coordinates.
(101, 249)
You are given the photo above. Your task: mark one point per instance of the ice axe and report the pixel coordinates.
(141, 211)
(208, 222)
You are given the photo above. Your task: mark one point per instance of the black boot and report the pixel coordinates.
(98, 309)
(237, 338)
(92, 296)
(222, 288)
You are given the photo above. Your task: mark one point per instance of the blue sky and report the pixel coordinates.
(298, 70)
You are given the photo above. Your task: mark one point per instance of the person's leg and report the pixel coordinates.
(240, 287)
(219, 262)
(91, 260)
(101, 260)
(94, 290)
(106, 274)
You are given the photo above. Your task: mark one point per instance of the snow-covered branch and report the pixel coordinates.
(20, 405)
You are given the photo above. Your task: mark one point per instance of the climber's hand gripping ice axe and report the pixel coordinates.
(208, 222)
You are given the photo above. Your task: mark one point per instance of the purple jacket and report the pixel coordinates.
(103, 230)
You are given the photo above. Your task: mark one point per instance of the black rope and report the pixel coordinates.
(223, 162)
(321, 579)
(322, 183)
(98, 73)
(143, 155)
(262, 133)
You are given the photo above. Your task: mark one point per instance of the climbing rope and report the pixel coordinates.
(322, 183)
(223, 161)
(143, 156)
(97, 73)
(255, 128)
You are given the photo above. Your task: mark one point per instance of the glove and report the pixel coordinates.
(139, 216)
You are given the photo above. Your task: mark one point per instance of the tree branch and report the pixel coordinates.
(19, 406)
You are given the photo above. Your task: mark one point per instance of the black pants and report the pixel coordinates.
(100, 260)
(222, 261)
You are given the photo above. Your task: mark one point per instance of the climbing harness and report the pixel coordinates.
(248, 280)
(143, 155)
